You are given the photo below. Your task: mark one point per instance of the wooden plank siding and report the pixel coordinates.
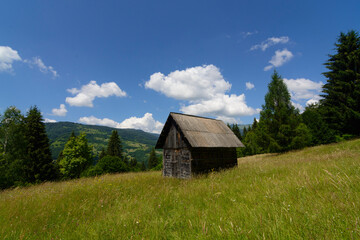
(176, 155)
(208, 159)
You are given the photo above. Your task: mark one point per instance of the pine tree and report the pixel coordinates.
(143, 166)
(39, 166)
(114, 145)
(236, 131)
(249, 128)
(133, 163)
(278, 117)
(341, 98)
(244, 132)
(102, 153)
(153, 161)
(72, 135)
(254, 125)
(314, 120)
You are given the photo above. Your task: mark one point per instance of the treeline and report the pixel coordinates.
(25, 156)
(76, 159)
(336, 117)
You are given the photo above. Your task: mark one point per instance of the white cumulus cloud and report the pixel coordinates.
(201, 82)
(313, 100)
(298, 106)
(279, 59)
(302, 88)
(60, 111)
(270, 42)
(7, 57)
(303, 91)
(221, 106)
(204, 88)
(97, 121)
(146, 123)
(36, 61)
(47, 120)
(249, 85)
(87, 94)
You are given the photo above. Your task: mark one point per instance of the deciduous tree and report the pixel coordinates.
(12, 148)
(76, 156)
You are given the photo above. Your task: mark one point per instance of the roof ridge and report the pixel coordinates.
(189, 115)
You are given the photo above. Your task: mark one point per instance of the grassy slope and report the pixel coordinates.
(308, 194)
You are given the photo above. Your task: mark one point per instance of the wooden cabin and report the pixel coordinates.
(193, 144)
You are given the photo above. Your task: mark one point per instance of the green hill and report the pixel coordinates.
(309, 194)
(136, 143)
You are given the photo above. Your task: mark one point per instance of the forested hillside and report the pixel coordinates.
(136, 143)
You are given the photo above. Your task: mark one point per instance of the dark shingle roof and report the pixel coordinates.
(200, 131)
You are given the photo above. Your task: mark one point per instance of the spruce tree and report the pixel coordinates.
(254, 125)
(278, 117)
(249, 128)
(244, 132)
(102, 153)
(314, 120)
(341, 98)
(236, 131)
(114, 145)
(153, 161)
(38, 164)
(143, 166)
(133, 163)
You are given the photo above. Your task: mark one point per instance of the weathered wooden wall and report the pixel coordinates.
(177, 163)
(176, 156)
(207, 159)
(174, 139)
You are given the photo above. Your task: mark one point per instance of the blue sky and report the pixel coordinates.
(127, 64)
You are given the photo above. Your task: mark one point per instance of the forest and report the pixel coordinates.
(25, 154)
(334, 118)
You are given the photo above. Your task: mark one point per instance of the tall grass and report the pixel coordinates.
(308, 194)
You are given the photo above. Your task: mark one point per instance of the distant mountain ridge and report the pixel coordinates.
(136, 143)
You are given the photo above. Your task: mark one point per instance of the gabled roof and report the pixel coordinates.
(200, 132)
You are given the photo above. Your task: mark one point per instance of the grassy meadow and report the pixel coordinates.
(309, 194)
